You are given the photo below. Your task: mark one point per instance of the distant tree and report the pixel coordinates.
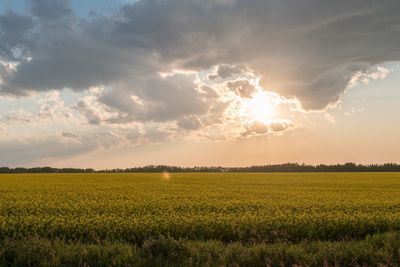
(286, 167)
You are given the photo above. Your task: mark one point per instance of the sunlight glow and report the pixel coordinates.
(261, 107)
(166, 176)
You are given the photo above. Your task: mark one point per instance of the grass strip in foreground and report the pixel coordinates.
(376, 250)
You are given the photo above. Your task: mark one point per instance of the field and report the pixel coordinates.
(200, 219)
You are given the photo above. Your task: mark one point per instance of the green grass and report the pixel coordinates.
(271, 218)
(376, 250)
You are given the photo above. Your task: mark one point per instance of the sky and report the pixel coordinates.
(115, 84)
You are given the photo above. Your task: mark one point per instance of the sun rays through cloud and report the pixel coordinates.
(144, 73)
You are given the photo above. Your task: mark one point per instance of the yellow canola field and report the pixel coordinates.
(245, 207)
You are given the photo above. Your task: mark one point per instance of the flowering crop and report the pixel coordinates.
(245, 207)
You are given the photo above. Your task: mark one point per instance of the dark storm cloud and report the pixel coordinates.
(309, 49)
(15, 34)
(51, 10)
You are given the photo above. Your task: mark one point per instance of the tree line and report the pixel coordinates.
(287, 167)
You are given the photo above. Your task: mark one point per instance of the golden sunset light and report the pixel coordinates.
(261, 107)
(218, 133)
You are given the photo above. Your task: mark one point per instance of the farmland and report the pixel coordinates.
(200, 219)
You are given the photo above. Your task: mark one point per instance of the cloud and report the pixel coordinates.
(19, 116)
(377, 73)
(15, 34)
(256, 128)
(275, 127)
(225, 71)
(50, 108)
(69, 135)
(280, 126)
(22, 151)
(51, 11)
(308, 49)
(189, 123)
(158, 99)
(243, 88)
(91, 110)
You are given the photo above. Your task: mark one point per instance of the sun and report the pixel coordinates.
(261, 107)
